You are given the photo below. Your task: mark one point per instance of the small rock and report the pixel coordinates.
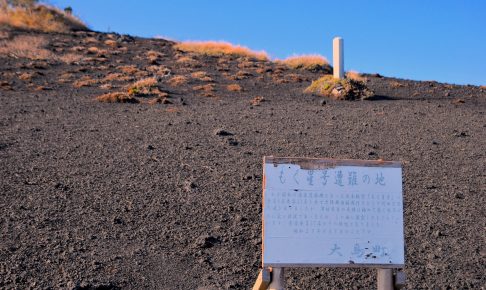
(189, 185)
(118, 221)
(206, 241)
(437, 233)
(459, 195)
(222, 132)
(150, 147)
(232, 142)
(323, 102)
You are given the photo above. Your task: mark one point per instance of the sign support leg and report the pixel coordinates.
(263, 280)
(278, 282)
(385, 279)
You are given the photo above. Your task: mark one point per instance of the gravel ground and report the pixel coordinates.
(137, 196)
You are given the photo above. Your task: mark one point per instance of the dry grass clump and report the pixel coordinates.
(70, 58)
(116, 97)
(93, 50)
(162, 98)
(23, 46)
(256, 101)
(219, 48)
(289, 78)
(234, 88)
(204, 88)
(185, 59)
(85, 81)
(159, 70)
(202, 76)
(154, 56)
(27, 76)
(339, 89)
(312, 62)
(177, 81)
(395, 84)
(65, 77)
(116, 77)
(188, 61)
(262, 70)
(106, 86)
(247, 63)
(128, 69)
(111, 42)
(40, 17)
(354, 75)
(241, 75)
(143, 87)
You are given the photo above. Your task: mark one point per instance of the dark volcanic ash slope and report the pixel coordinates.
(139, 196)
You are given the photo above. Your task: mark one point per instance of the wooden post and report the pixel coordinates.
(278, 282)
(338, 57)
(400, 279)
(385, 279)
(263, 280)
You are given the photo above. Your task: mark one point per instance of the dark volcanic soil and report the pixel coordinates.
(137, 196)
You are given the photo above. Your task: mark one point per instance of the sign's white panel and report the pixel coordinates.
(336, 216)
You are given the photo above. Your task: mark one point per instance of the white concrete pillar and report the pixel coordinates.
(338, 57)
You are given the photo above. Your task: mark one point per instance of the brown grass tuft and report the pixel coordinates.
(70, 58)
(241, 75)
(116, 77)
(354, 75)
(153, 56)
(111, 43)
(205, 88)
(234, 88)
(308, 62)
(128, 69)
(395, 84)
(84, 82)
(177, 81)
(116, 97)
(143, 87)
(289, 78)
(106, 86)
(162, 98)
(202, 76)
(28, 76)
(93, 50)
(256, 101)
(40, 17)
(31, 47)
(219, 48)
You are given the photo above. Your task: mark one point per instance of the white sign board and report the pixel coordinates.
(334, 213)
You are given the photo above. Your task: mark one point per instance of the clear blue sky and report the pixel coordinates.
(415, 39)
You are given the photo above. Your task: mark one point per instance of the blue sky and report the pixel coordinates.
(421, 40)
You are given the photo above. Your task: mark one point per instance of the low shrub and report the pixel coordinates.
(219, 48)
(40, 17)
(339, 89)
(117, 97)
(313, 62)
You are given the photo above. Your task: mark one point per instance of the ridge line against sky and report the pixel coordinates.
(421, 40)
